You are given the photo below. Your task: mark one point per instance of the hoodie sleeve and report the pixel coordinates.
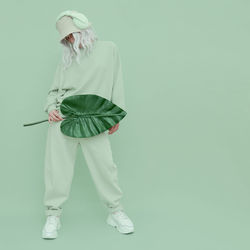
(118, 97)
(50, 103)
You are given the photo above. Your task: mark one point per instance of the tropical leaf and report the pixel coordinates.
(88, 115)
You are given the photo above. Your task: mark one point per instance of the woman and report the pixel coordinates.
(89, 66)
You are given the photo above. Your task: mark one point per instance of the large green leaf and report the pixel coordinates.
(88, 115)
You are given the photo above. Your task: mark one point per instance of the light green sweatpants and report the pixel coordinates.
(60, 156)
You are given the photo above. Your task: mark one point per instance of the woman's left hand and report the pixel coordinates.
(113, 129)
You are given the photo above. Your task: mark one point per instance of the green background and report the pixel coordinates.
(183, 149)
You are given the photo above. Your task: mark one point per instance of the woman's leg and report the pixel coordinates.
(59, 168)
(98, 155)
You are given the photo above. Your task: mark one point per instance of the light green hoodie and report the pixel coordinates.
(99, 73)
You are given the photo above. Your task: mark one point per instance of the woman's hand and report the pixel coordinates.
(54, 116)
(113, 129)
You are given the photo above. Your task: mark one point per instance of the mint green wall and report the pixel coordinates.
(183, 149)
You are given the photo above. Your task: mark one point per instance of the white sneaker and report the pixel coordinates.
(51, 226)
(121, 222)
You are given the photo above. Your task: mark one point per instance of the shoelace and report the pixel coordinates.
(51, 221)
(121, 215)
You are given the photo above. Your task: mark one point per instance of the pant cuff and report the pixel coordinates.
(117, 208)
(53, 211)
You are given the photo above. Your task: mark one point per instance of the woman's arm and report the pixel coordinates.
(53, 91)
(118, 89)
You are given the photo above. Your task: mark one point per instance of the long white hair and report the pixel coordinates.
(86, 38)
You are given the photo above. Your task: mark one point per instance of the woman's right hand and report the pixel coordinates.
(54, 116)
